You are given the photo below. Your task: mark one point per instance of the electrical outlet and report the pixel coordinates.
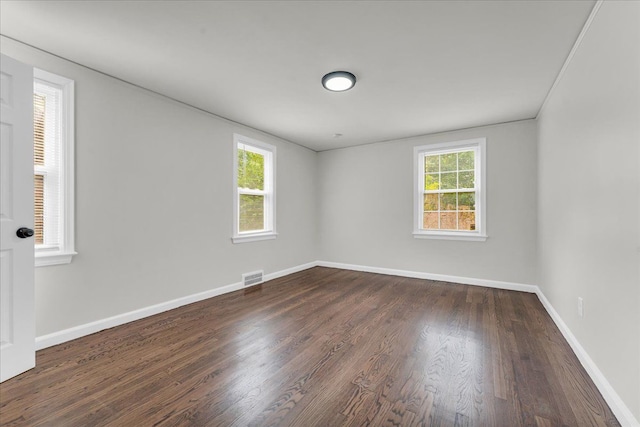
(580, 307)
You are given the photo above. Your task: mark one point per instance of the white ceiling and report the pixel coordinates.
(422, 67)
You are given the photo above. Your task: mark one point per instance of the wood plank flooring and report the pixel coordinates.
(323, 347)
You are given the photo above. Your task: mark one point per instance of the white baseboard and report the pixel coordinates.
(65, 335)
(621, 411)
(439, 277)
(289, 271)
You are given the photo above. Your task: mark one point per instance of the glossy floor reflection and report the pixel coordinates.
(323, 347)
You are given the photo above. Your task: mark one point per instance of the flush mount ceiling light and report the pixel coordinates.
(338, 81)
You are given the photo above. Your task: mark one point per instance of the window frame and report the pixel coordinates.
(419, 152)
(63, 252)
(269, 152)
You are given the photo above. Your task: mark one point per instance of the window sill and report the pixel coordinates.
(451, 236)
(254, 237)
(44, 259)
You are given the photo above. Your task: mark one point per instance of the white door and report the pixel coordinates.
(17, 316)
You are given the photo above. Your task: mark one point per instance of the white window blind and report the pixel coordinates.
(47, 134)
(53, 168)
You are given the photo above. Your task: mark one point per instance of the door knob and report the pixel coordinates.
(24, 232)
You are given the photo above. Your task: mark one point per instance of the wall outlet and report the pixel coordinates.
(580, 307)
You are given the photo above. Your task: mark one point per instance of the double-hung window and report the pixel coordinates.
(254, 190)
(53, 168)
(449, 190)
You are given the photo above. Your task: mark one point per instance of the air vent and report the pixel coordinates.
(252, 278)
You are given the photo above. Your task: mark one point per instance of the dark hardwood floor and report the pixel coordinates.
(322, 347)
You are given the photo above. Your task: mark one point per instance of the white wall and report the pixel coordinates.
(154, 203)
(154, 192)
(589, 182)
(366, 208)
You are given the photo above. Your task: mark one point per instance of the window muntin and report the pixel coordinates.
(449, 196)
(254, 189)
(53, 168)
(449, 190)
(251, 189)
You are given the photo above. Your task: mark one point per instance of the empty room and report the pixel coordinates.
(320, 213)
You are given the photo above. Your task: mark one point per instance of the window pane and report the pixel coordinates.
(449, 181)
(449, 162)
(448, 220)
(39, 104)
(250, 170)
(38, 208)
(467, 221)
(465, 160)
(431, 181)
(466, 180)
(431, 163)
(430, 221)
(431, 202)
(467, 201)
(448, 202)
(251, 212)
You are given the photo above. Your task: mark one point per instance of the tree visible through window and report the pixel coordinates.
(449, 198)
(250, 182)
(255, 190)
(449, 191)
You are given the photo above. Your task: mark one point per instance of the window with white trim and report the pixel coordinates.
(254, 190)
(53, 168)
(450, 190)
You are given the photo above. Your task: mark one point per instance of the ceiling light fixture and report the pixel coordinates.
(338, 81)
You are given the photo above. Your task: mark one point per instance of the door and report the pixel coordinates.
(17, 315)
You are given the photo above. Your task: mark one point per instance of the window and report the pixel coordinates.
(254, 190)
(450, 195)
(53, 168)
